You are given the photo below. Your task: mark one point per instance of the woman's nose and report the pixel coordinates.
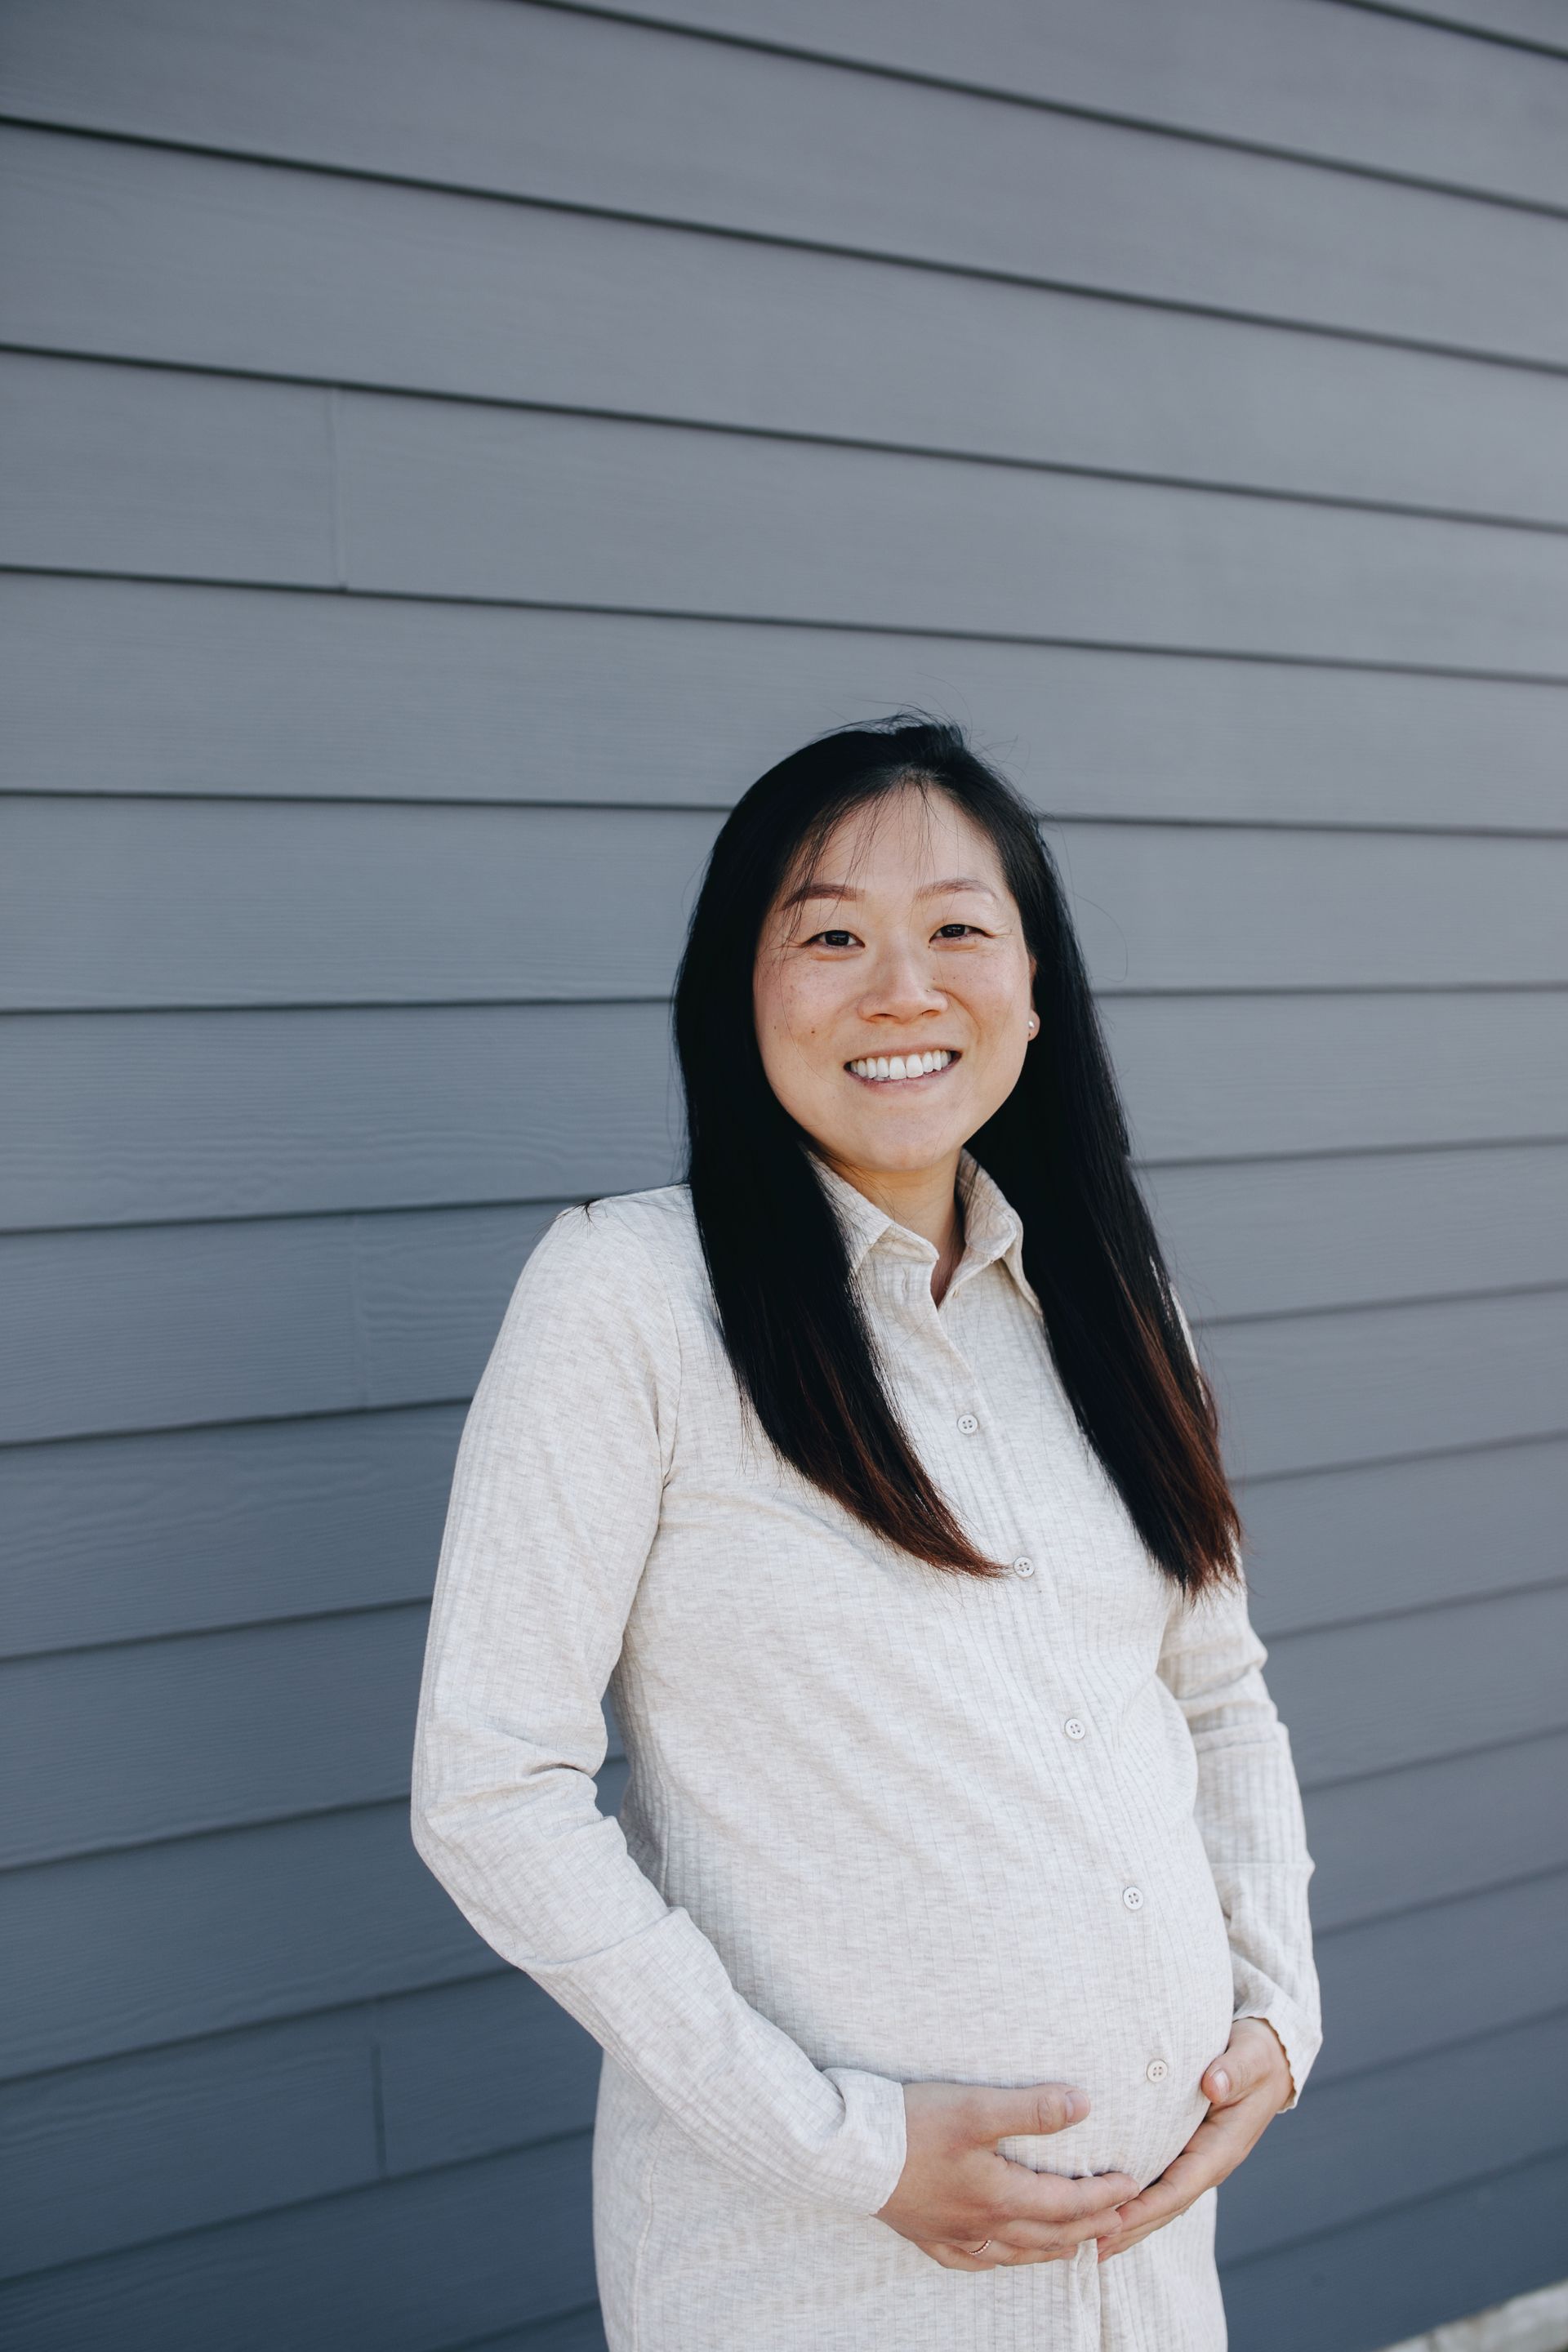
(901, 984)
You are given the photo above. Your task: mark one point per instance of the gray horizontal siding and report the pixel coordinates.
(138, 904)
(129, 685)
(577, 109)
(123, 1539)
(122, 1950)
(1398, 1987)
(215, 1731)
(1414, 2265)
(126, 1538)
(406, 2266)
(478, 2068)
(163, 1115)
(1429, 1832)
(1326, 1549)
(113, 468)
(1537, 24)
(261, 2118)
(1356, 89)
(1412, 2129)
(134, 252)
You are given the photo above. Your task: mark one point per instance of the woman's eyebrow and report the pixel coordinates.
(848, 889)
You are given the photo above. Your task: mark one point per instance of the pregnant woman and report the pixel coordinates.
(952, 1944)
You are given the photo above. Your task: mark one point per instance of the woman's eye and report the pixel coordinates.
(835, 938)
(955, 931)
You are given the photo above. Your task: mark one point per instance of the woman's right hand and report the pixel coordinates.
(956, 2194)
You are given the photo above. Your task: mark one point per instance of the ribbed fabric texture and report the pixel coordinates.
(884, 1822)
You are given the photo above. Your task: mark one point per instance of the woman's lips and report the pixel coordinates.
(902, 1069)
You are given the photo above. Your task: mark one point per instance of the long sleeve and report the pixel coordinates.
(554, 1505)
(1248, 1812)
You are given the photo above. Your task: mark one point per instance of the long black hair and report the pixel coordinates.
(793, 1327)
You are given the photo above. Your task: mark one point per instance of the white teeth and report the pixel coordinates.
(901, 1066)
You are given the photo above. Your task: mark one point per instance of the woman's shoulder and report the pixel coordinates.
(625, 1245)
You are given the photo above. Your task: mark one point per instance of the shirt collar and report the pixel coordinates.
(992, 1226)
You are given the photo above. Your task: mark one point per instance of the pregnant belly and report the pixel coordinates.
(1129, 2007)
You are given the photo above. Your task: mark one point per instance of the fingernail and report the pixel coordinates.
(1077, 2104)
(1223, 2079)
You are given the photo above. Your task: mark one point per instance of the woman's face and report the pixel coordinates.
(905, 941)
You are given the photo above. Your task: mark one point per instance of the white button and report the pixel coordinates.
(1156, 2070)
(968, 1424)
(1074, 1728)
(1024, 1566)
(1133, 1898)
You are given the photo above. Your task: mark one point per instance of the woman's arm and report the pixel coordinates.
(554, 1505)
(1248, 1811)
(1250, 1815)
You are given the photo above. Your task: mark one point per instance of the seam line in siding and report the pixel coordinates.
(657, 421)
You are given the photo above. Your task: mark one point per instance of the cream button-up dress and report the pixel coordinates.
(884, 1822)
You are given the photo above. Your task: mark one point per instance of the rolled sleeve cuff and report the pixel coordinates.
(868, 2159)
(1298, 2037)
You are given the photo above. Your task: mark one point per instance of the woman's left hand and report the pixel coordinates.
(1246, 2090)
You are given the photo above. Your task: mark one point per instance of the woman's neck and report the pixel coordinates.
(924, 1201)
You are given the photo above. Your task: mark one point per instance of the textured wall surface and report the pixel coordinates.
(450, 447)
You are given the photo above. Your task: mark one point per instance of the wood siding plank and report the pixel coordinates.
(1365, 1382)
(135, 904)
(131, 686)
(1282, 1073)
(1411, 2130)
(250, 1114)
(1432, 1832)
(406, 2266)
(125, 1538)
(1399, 1691)
(123, 251)
(140, 2147)
(1337, 1545)
(1403, 1985)
(1276, 1235)
(1414, 2266)
(198, 1115)
(170, 1738)
(481, 2066)
(581, 111)
(1358, 86)
(476, 500)
(137, 469)
(258, 903)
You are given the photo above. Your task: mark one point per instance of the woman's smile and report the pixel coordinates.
(883, 1069)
